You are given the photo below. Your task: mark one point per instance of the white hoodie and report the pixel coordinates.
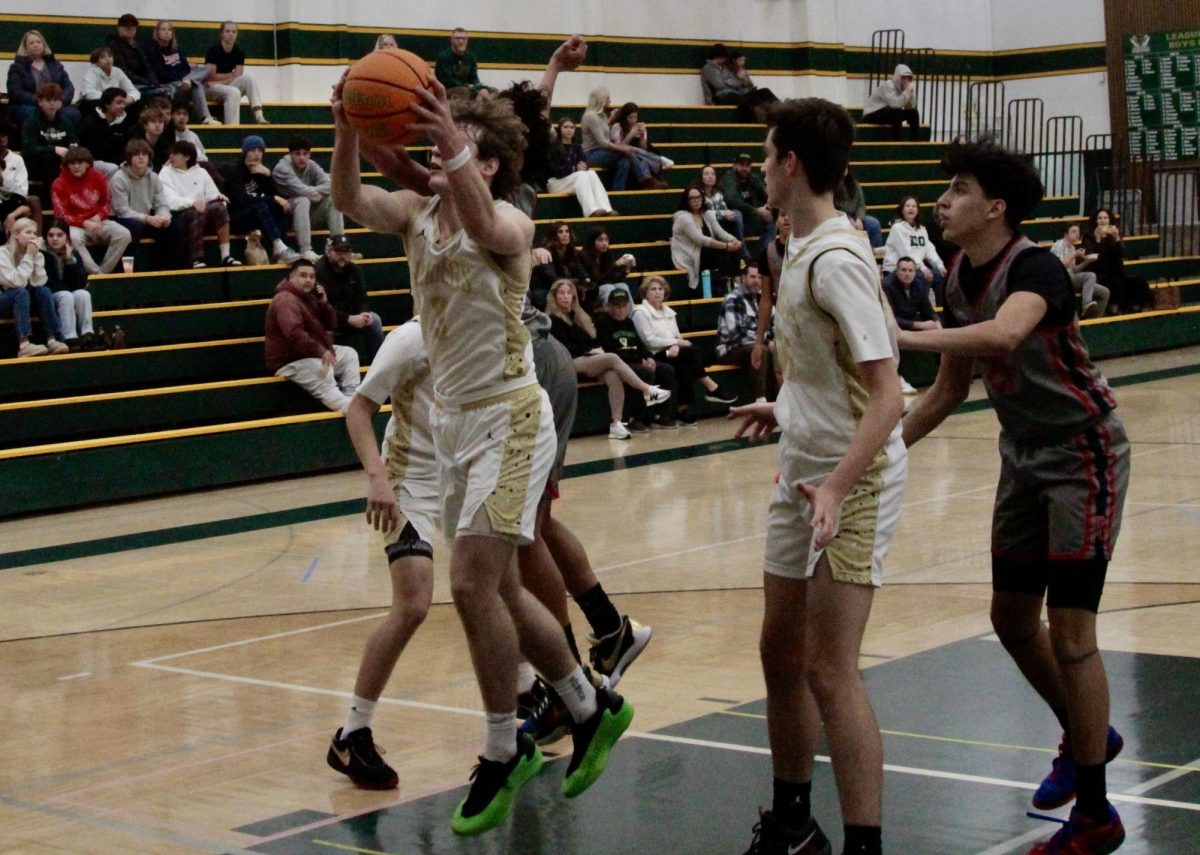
(889, 94)
(903, 240)
(185, 186)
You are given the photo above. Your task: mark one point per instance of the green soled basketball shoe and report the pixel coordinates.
(594, 741)
(493, 788)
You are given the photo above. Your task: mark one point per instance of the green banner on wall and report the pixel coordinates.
(1162, 95)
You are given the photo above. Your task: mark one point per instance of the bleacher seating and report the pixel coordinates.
(188, 403)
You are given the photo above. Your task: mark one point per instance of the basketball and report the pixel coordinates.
(379, 92)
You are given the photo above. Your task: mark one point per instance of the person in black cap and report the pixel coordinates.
(128, 56)
(616, 333)
(744, 191)
(343, 283)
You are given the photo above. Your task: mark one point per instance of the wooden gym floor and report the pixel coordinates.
(173, 669)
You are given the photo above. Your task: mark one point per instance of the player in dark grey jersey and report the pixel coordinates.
(1064, 466)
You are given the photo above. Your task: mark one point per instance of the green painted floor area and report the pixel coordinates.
(965, 742)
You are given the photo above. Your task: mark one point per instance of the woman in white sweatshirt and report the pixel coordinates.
(908, 237)
(22, 283)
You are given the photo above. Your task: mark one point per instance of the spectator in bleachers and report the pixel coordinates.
(600, 263)
(226, 79)
(102, 75)
(192, 193)
(723, 85)
(130, 58)
(894, 102)
(299, 340)
(255, 202)
(744, 191)
(81, 200)
(46, 136)
(770, 266)
(67, 280)
(182, 133)
(173, 69)
(344, 289)
(699, 243)
(456, 67)
(105, 131)
(1103, 240)
(627, 128)
(909, 238)
(600, 150)
(22, 283)
(572, 326)
(15, 201)
(659, 331)
(616, 333)
(714, 200)
(849, 199)
(1094, 296)
(760, 98)
(140, 204)
(386, 41)
(570, 173)
(908, 294)
(564, 264)
(736, 328)
(152, 127)
(34, 67)
(305, 185)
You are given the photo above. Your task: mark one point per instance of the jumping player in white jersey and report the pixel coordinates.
(842, 472)
(492, 426)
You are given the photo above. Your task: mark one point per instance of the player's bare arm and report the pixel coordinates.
(1018, 317)
(950, 389)
(506, 232)
(377, 209)
(381, 500)
(885, 406)
(568, 57)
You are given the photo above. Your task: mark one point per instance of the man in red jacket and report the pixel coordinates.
(80, 197)
(299, 340)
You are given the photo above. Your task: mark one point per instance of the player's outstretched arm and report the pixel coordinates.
(373, 207)
(1018, 317)
(507, 232)
(758, 420)
(381, 501)
(950, 389)
(568, 57)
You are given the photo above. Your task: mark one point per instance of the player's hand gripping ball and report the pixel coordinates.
(378, 94)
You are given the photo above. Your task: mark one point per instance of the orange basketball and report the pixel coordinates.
(379, 92)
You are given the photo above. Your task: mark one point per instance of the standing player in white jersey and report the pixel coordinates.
(842, 471)
(402, 502)
(492, 425)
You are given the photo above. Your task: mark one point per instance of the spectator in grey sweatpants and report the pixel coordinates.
(299, 178)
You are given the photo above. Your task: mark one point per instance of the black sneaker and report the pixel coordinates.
(494, 786)
(594, 741)
(615, 652)
(661, 422)
(230, 261)
(719, 396)
(686, 419)
(772, 837)
(550, 719)
(356, 757)
(637, 426)
(528, 702)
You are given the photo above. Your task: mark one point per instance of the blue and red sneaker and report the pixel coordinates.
(1058, 788)
(1083, 836)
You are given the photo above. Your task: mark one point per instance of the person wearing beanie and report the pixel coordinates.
(255, 201)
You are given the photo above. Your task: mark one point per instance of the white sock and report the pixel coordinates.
(359, 715)
(225, 251)
(577, 693)
(501, 743)
(525, 677)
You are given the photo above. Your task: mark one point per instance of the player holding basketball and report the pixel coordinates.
(1064, 466)
(492, 425)
(843, 466)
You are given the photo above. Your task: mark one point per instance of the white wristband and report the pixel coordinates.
(458, 161)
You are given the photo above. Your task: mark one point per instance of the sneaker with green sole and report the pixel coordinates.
(494, 786)
(594, 741)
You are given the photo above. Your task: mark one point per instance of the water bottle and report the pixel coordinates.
(706, 283)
